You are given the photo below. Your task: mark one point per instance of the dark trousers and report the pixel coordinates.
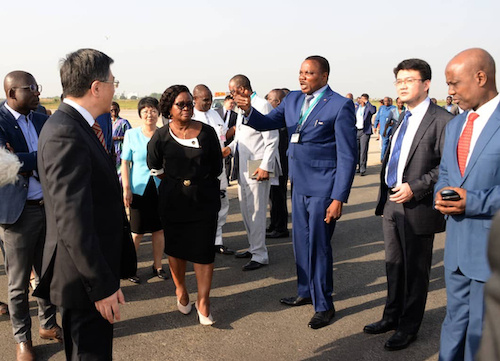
(279, 209)
(87, 335)
(363, 141)
(408, 263)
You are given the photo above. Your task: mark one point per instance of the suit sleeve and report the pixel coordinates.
(273, 120)
(68, 167)
(27, 159)
(347, 152)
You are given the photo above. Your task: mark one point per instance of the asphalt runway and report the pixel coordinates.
(251, 322)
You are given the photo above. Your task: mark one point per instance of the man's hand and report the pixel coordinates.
(334, 211)
(243, 101)
(109, 307)
(451, 207)
(225, 152)
(127, 196)
(262, 174)
(403, 193)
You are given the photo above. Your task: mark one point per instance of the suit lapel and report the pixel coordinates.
(319, 105)
(17, 129)
(484, 139)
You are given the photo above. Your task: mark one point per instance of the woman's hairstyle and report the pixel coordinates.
(168, 98)
(147, 102)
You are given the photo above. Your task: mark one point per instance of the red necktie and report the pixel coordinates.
(464, 143)
(98, 131)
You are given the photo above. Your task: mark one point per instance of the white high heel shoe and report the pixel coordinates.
(185, 310)
(204, 320)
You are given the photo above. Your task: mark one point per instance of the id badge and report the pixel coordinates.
(295, 138)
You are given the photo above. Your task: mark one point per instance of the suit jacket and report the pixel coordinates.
(454, 109)
(420, 172)
(85, 214)
(323, 163)
(13, 196)
(370, 110)
(253, 144)
(467, 234)
(490, 347)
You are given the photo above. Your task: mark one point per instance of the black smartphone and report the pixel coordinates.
(450, 195)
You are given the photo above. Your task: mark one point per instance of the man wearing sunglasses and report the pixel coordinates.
(22, 213)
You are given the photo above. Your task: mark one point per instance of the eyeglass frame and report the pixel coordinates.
(31, 87)
(407, 81)
(116, 83)
(189, 105)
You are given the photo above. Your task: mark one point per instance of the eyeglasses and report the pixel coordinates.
(183, 105)
(114, 82)
(407, 81)
(32, 87)
(149, 111)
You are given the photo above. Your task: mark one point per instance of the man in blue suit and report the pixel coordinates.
(22, 214)
(322, 160)
(470, 166)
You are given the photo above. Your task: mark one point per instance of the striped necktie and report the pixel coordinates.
(98, 132)
(463, 146)
(392, 170)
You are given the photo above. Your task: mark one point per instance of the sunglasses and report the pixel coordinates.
(182, 105)
(32, 87)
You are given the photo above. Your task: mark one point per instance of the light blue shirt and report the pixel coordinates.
(135, 150)
(31, 137)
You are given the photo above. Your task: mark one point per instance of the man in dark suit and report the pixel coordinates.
(229, 116)
(409, 172)
(83, 256)
(364, 113)
(278, 227)
(471, 167)
(22, 213)
(322, 161)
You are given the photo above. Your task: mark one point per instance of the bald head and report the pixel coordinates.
(18, 93)
(202, 97)
(470, 76)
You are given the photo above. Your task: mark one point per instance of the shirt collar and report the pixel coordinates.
(319, 91)
(84, 112)
(421, 109)
(486, 110)
(13, 112)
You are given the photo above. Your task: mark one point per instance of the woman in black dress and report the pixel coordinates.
(186, 155)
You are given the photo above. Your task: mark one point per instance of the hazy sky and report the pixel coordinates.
(156, 43)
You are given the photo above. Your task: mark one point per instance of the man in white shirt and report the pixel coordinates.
(409, 172)
(253, 192)
(203, 112)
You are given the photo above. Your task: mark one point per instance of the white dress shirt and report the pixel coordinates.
(417, 114)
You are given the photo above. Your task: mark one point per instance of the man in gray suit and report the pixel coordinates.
(409, 172)
(253, 192)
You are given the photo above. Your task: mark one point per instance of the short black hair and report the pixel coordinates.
(324, 66)
(168, 98)
(115, 104)
(364, 95)
(241, 80)
(228, 97)
(415, 64)
(147, 102)
(81, 68)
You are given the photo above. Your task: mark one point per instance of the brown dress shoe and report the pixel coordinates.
(25, 351)
(54, 333)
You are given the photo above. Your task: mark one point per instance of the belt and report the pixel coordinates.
(34, 202)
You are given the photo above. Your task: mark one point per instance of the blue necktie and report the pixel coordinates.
(392, 170)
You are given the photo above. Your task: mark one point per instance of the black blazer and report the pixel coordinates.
(421, 172)
(82, 259)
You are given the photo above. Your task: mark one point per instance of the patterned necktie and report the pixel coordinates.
(392, 171)
(463, 146)
(98, 132)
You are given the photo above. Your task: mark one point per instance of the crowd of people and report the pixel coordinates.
(66, 181)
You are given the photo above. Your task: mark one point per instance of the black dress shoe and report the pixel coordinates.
(277, 234)
(296, 301)
(250, 266)
(400, 340)
(223, 250)
(244, 254)
(321, 319)
(160, 273)
(382, 326)
(362, 174)
(134, 279)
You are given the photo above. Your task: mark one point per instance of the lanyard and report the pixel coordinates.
(303, 116)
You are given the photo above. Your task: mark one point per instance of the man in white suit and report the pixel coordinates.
(202, 97)
(254, 188)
